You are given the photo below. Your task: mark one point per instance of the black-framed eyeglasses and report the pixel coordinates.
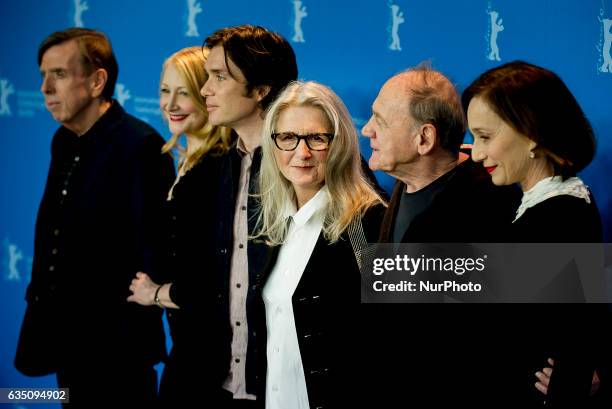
(289, 141)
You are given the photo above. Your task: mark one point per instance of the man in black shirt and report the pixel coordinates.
(95, 228)
(441, 196)
(416, 130)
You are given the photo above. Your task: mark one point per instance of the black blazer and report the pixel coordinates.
(96, 227)
(578, 335)
(326, 309)
(202, 292)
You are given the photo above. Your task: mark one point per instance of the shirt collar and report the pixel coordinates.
(242, 149)
(550, 187)
(108, 120)
(316, 204)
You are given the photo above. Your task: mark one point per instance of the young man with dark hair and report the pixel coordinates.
(247, 67)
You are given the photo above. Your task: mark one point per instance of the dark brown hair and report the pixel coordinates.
(96, 52)
(537, 103)
(264, 58)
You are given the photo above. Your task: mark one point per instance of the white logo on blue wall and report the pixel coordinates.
(299, 12)
(122, 93)
(397, 18)
(194, 8)
(6, 89)
(495, 26)
(11, 260)
(79, 8)
(606, 27)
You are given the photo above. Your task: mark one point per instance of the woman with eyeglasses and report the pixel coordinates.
(317, 212)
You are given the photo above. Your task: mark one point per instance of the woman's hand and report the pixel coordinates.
(544, 379)
(143, 290)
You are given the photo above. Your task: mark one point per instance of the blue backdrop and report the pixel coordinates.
(352, 46)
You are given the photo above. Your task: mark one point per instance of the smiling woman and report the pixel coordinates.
(189, 226)
(313, 194)
(184, 108)
(529, 129)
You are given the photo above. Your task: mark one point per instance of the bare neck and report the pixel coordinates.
(249, 130)
(429, 168)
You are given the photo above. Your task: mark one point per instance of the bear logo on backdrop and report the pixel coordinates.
(122, 94)
(606, 57)
(299, 12)
(495, 26)
(6, 89)
(79, 8)
(13, 257)
(397, 18)
(194, 9)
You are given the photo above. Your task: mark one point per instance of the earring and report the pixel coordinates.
(531, 155)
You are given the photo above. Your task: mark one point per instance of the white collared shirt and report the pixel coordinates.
(550, 187)
(285, 381)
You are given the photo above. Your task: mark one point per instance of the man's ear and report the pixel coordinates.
(426, 139)
(261, 92)
(98, 82)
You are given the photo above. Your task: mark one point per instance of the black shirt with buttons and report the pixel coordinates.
(96, 227)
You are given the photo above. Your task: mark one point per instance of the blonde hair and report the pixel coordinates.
(189, 62)
(350, 193)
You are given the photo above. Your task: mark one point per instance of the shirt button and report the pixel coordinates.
(64, 192)
(51, 268)
(238, 285)
(276, 349)
(243, 207)
(241, 245)
(279, 310)
(237, 323)
(274, 388)
(223, 251)
(76, 158)
(56, 232)
(237, 360)
(54, 251)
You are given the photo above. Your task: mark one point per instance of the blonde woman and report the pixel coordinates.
(190, 225)
(313, 193)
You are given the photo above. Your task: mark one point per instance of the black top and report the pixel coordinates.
(96, 228)
(190, 229)
(467, 208)
(577, 334)
(560, 219)
(413, 204)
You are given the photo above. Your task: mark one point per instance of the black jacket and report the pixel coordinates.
(202, 289)
(469, 209)
(578, 335)
(326, 311)
(96, 228)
